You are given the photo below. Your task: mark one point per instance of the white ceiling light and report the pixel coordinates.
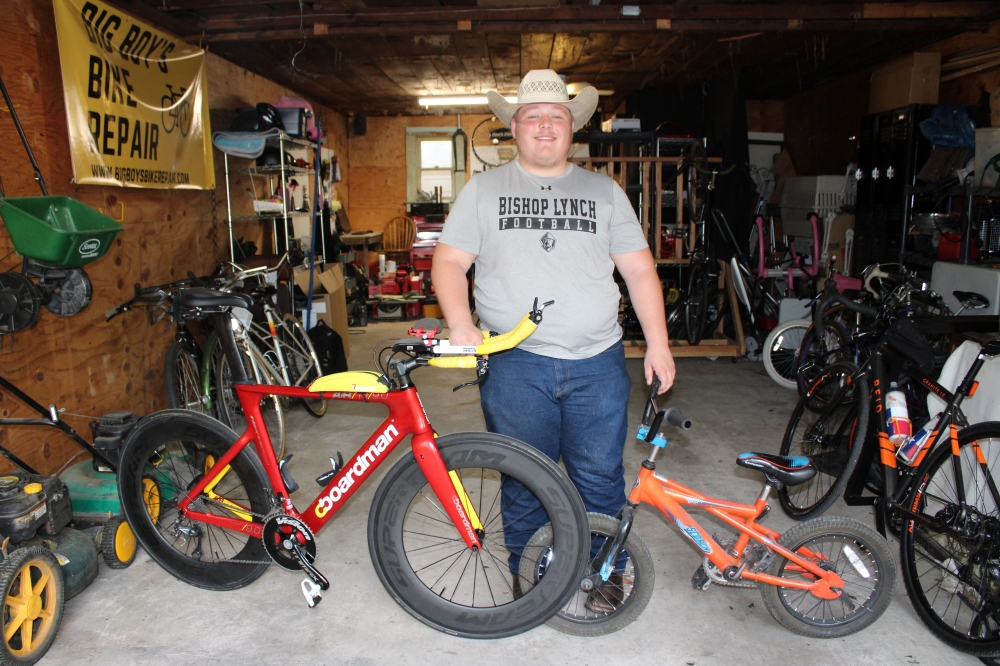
(472, 100)
(577, 88)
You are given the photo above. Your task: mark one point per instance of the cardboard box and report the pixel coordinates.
(329, 300)
(911, 80)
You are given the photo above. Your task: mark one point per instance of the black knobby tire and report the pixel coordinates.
(118, 547)
(817, 353)
(857, 553)
(195, 552)
(303, 362)
(182, 376)
(696, 307)
(427, 568)
(31, 563)
(832, 439)
(634, 591)
(952, 579)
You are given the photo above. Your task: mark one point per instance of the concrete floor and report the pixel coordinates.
(142, 615)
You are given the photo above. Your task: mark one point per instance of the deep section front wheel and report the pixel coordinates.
(950, 559)
(851, 549)
(832, 437)
(172, 448)
(610, 605)
(426, 566)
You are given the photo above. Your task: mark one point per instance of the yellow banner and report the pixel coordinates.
(136, 101)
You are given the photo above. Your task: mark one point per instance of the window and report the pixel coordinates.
(430, 163)
(435, 167)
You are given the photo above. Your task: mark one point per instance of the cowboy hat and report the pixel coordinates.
(544, 86)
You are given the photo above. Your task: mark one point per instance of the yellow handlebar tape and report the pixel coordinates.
(453, 362)
(491, 345)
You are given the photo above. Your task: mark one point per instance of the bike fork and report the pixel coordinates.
(604, 563)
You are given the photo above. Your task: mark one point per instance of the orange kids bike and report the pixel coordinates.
(824, 578)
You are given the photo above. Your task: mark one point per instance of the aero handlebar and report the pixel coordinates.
(447, 356)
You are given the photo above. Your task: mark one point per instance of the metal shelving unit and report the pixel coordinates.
(280, 174)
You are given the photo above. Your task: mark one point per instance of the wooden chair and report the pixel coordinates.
(397, 239)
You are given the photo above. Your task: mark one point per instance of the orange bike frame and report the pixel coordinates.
(406, 417)
(668, 496)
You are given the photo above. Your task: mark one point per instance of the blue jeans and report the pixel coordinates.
(576, 410)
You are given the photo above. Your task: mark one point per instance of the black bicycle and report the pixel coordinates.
(944, 504)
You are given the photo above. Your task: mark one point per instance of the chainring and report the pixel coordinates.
(20, 302)
(279, 529)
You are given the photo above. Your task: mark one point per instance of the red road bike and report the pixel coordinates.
(436, 530)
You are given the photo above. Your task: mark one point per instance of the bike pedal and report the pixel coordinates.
(311, 592)
(700, 579)
(286, 476)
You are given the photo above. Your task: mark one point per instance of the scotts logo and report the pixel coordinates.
(362, 462)
(89, 248)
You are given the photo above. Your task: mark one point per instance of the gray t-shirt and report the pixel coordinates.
(552, 238)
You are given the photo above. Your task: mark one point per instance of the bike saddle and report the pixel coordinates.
(198, 297)
(789, 470)
(971, 299)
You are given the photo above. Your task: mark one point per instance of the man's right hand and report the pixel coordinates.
(465, 335)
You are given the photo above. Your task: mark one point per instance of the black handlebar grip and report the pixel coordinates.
(674, 417)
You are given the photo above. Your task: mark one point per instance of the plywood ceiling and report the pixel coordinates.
(377, 57)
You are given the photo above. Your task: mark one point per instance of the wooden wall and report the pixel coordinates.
(83, 363)
(765, 115)
(821, 124)
(378, 166)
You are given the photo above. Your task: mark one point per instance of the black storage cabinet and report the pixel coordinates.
(891, 151)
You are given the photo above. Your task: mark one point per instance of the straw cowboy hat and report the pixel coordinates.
(545, 86)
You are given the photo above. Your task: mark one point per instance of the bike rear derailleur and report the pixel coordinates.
(291, 544)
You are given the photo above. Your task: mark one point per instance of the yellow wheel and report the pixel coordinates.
(151, 497)
(118, 545)
(33, 604)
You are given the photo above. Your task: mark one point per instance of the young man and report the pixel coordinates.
(542, 227)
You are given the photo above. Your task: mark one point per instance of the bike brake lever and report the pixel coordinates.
(482, 370)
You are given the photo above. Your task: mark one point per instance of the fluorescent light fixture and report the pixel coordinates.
(631, 10)
(443, 100)
(577, 87)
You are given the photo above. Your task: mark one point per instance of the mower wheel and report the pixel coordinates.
(118, 544)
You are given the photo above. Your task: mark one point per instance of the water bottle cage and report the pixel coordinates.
(643, 433)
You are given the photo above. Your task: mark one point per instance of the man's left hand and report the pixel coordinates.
(661, 361)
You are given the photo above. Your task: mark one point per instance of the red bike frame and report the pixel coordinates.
(406, 417)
